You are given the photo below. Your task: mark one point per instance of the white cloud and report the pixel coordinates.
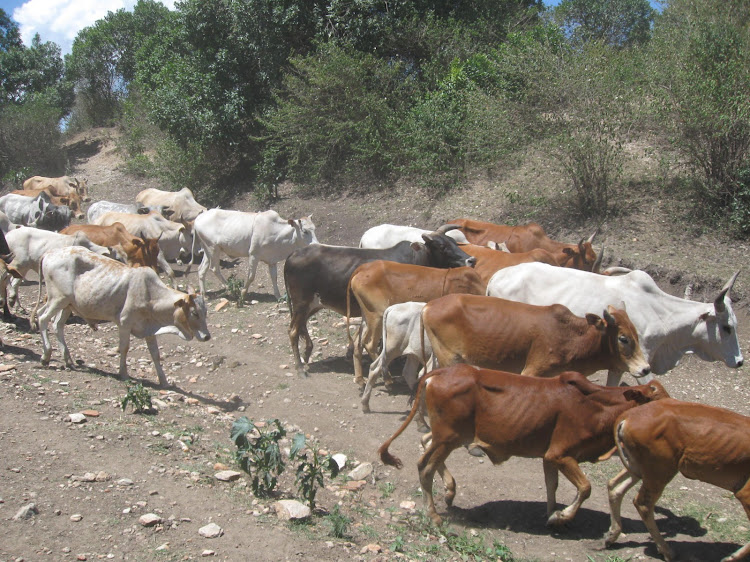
(61, 20)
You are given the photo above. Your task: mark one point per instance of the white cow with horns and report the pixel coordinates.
(668, 326)
(262, 237)
(99, 289)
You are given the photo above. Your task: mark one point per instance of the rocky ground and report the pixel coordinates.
(112, 484)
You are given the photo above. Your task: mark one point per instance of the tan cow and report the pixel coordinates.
(524, 238)
(72, 201)
(179, 206)
(60, 187)
(490, 261)
(702, 442)
(133, 249)
(563, 420)
(379, 284)
(528, 339)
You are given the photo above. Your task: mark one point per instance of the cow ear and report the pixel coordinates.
(416, 246)
(635, 395)
(167, 213)
(64, 200)
(568, 252)
(182, 302)
(595, 320)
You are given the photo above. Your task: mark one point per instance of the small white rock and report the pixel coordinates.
(211, 531)
(77, 418)
(228, 475)
(150, 519)
(361, 472)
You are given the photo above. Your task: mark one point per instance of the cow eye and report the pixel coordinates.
(727, 329)
(623, 340)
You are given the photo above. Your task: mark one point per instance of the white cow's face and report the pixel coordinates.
(308, 230)
(723, 344)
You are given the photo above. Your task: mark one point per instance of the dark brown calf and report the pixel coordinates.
(563, 420)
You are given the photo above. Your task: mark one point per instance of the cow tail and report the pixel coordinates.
(348, 312)
(421, 339)
(385, 456)
(621, 449)
(32, 317)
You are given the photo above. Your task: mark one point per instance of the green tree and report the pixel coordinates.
(10, 34)
(619, 23)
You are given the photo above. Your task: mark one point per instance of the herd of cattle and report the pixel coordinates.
(506, 322)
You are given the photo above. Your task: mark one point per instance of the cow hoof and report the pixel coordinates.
(365, 409)
(45, 362)
(475, 450)
(556, 520)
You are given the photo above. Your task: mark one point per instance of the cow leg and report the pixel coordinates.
(297, 328)
(744, 497)
(252, 267)
(365, 333)
(59, 325)
(274, 275)
(645, 501)
(614, 378)
(153, 349)
(45, 313)
(124, 348)
(551, 480)
(212, 261)
(617, 487)
(433, 458)
(7, 315)
(375, 369)
(162, 261)
(570, 469)
(13, 300)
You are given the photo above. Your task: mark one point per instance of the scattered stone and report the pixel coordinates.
(76, 517)
(150, 519)
(207, 553)
(91, 413)
(228, 475)
(124, 482)
(408, 505)
(213, 410)
(102, 476)
(77, 418)
(159, 404)
(340, 459)
(361, 472)
(211, 531)
(291, 509)
(220, 466)
(192, 401)
(5, 368)
(354, 485)
(374, 548)
(221, 304)
(164, 546)
(26, 512)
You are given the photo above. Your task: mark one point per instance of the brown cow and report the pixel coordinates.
(524, 238)
(528, 339)
(702, 442)
(490, 261)
(563, 420)
(138, 252)
(73, 200)
(379, 284)
(59, 187)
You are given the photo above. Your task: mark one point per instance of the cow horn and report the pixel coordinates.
(688, 292)
(719, 302)
(596, 268)
(445, 228)
(591, 238)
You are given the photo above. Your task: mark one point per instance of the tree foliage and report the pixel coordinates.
(618, 23)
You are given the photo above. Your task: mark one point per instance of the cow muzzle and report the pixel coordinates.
(471, 262)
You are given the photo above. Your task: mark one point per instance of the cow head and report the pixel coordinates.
(74, 203)
(82, 189)
(142, 252)
(622, 341)
(444, 251)
(190, 316)
(646, 393)
(37, 209)
(304, 230)
(720, 325)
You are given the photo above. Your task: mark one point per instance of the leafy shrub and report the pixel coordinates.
(310, 471)
(259, 455)
(339, 523)
(138, 397)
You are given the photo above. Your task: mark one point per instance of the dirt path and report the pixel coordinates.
(169, 459)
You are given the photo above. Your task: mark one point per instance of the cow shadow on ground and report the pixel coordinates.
(531, 517)
(331, 365)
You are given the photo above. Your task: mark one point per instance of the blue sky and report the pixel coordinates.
(61, 20)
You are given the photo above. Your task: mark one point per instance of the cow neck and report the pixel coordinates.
(445, 281)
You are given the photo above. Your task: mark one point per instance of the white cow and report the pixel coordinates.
(99, 289)
(668, 327)
(262, 237)
(179, 206)
(29, 245)
(24, 210)
(100, 207)
(388, 235)
(5, 223)
(174, 238)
